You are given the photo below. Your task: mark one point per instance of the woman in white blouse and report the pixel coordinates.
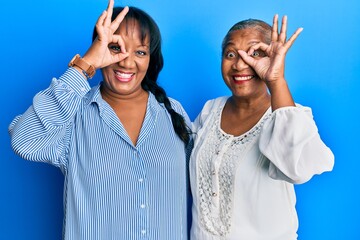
(252, 147)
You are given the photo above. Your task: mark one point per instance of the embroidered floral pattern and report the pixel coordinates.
(217, 164)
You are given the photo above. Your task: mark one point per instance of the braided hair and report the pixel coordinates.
(148, 27)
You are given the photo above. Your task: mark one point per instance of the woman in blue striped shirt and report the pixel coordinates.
(122, 145)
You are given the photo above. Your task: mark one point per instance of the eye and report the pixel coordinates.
(114, 48)
(230, 54)
(141, 53)
(255, 54)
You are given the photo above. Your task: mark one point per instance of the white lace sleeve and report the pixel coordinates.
(290, 140)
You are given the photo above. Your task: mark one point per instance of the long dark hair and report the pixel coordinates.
(148, 27)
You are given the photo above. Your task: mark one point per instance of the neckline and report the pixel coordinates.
(245, 134)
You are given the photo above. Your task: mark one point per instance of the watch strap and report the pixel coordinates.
(88, 69)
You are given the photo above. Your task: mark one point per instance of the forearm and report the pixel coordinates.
(280, 94)
(40, 134)
(290, 140)
(57, 104)
(32, 141)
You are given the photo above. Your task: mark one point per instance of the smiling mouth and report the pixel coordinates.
(124, 77)
(241, 79)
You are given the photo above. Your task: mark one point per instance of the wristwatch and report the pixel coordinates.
(88, 69)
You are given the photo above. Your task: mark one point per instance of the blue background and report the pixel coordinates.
(38, 38)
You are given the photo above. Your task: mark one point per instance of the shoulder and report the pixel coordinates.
(175, 103)
(303, 108)
(177, 106)
(207, 111)
(214, 104)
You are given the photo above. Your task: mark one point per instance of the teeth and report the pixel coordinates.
(243, 78)
(124, 75)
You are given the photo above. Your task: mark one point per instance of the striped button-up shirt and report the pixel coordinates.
(113, 189)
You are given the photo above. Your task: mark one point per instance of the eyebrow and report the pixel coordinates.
(228, 44)
(144, 45)
(251, 43)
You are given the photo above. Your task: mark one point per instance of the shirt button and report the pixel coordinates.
(143, 232)
(141, 180)
(82, 89)
(142, 205)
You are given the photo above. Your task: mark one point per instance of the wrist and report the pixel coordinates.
(80, 71)
(280, 94)
(274, 85)
(82, 66)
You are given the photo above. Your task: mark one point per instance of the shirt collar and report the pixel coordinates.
(94, 96)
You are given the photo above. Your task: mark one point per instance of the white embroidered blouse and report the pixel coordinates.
(242, 186)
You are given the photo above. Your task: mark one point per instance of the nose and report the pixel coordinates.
(128, 62)
(239, 63)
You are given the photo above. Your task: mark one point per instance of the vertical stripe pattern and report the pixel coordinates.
(113, 190)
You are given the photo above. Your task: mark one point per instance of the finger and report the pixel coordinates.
(110, 12)
(119, 18)
(102, 17)
(291, 40)
(121, 56)
(282, 36)
(246, 58)
(100, 22)
(120, 41)
(274, 32)
(262, 46)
